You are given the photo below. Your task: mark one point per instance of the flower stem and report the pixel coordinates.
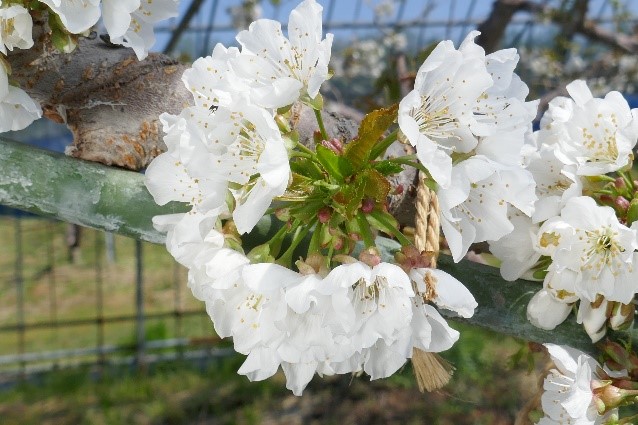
(364, 227)
(276, 241)
(315, 240)
(390, 229)
(406, 160)
(627, 178)
(322, 128)
(303, 148)
(300, 233)
(380, 147)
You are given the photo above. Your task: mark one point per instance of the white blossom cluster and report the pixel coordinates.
(577, 389)
(128, 22)
(227, 158)
(467, 117)
(350, 319)
(591, 254)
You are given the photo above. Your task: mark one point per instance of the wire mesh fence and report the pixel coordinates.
(69, 297)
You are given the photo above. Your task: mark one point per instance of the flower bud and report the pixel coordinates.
(367, 205)
(334, 145)
(282, 123)
(622, 316)
(593, 316)
(620, 184)
(315, 263)
(608, 396)
(621, 203)
(370, 256)
(324, 214)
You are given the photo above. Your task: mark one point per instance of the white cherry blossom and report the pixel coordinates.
(460, 97)
(281, 70)
(253, 155)
(17, 109)
(475, 207)
(596, 135)
(182, 172)
(593, 317)
(139, 33)
(568, 396)
(546, 311)
(211, 79)
(516, 249)
(116, 15)
(77, 16)
(588, 240)
(15, 28)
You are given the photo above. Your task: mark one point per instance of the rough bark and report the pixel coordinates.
(109, 99)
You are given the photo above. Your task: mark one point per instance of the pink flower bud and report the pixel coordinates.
(354, 236)
(334, 145)
(370, 257)
(622, 203)
(324, 214)
(367, 206)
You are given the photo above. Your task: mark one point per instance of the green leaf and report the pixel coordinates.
(260, 254)
(348, 199)
(337, 166)
(376, 185)
(298, 189)
(305, 167)
(632, 211)
(383, 221)
(387, 168)
(371, 129)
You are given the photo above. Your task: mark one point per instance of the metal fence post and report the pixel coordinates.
(140, 340)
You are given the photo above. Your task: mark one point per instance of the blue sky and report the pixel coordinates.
(361, 12)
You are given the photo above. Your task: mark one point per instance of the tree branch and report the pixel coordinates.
(493, 28)
(114, 200)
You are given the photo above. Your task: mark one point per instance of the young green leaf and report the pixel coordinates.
(371, 129)
(336, 166)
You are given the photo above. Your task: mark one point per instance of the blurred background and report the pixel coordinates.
(98, 328)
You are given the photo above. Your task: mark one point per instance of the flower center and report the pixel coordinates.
(602, 148)
(602, 250)
(434, 119)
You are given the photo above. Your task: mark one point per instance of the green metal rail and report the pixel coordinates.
(115, 200)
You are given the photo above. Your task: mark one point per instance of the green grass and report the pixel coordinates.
(483, 390)
(56, 290)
